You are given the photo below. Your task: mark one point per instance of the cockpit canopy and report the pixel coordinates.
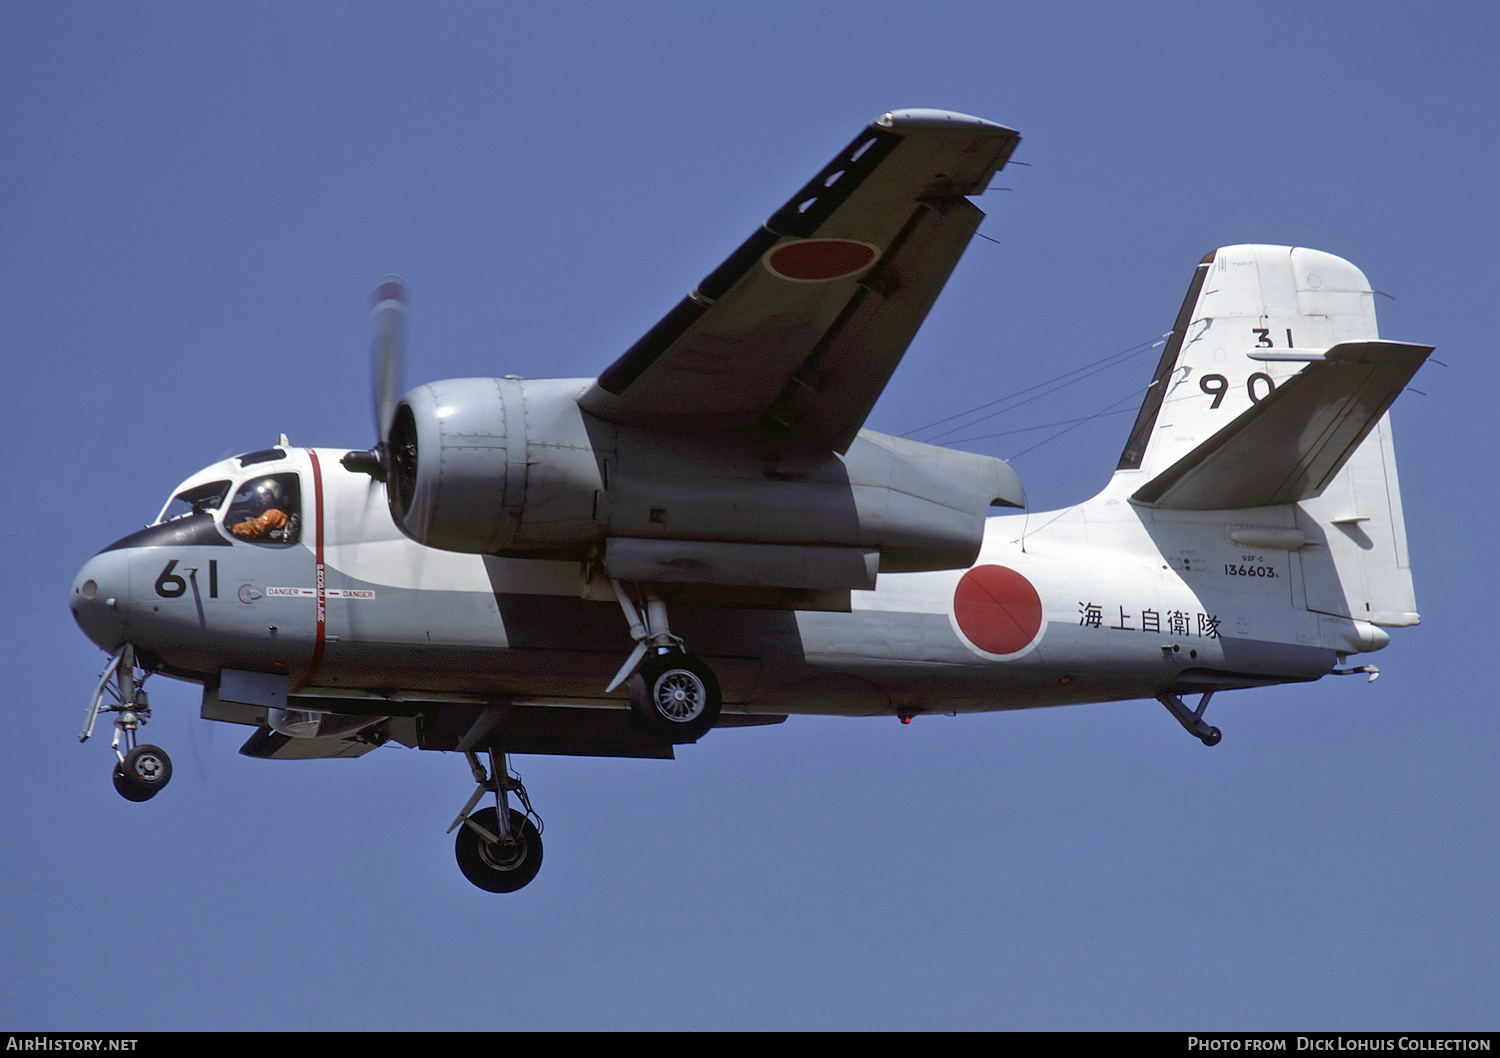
(200, 499)
(266, 508)
(263, 508)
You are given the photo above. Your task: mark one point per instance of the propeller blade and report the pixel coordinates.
(388, 313)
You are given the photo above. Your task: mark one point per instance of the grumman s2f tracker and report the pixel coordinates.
(705, 537)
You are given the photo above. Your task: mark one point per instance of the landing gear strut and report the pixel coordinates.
(499, 849)
(674, 694)
(141, 772)
(1192, 719)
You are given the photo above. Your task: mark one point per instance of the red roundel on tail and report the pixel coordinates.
(820, 260)
(997, 609)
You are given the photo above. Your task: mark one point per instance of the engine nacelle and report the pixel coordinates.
(494, 466)
(919, 506)
(515, 467)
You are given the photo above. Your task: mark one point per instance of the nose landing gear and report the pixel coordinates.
(141, 772)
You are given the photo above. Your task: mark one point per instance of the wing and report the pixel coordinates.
(803, 325)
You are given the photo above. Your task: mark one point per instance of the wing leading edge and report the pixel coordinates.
(803, 325)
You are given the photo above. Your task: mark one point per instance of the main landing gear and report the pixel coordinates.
(674, 694)
(499, 849)
(141, 771)
(1192, 719)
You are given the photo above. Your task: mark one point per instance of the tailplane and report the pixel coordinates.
(1272, 392)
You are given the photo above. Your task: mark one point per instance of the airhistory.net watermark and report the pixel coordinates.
(70, 1043)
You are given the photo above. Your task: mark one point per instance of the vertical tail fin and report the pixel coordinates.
(1252, 316)
(1273, 390)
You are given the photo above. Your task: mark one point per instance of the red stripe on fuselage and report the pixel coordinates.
(320, 578)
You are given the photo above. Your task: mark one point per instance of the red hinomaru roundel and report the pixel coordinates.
(997, 609)
(820, 260)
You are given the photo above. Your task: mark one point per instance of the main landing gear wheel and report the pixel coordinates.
(491, 862)
(143, 773)
(499, 849)
(673, 694)
(676, 696)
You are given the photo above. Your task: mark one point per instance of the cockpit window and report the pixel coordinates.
(264, 455)
(266, 509)
(200, 499)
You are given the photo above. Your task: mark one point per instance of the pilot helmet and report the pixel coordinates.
(266, 494)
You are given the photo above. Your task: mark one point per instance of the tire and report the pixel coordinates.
(495, 867)
(144, 773)
(676, 696)
(128, 790)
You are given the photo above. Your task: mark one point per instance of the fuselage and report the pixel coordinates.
(1091, 603)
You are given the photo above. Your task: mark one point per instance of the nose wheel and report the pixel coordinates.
(141, 772)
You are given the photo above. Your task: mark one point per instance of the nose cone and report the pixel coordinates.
(99, 598)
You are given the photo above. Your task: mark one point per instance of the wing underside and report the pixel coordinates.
(802, 326)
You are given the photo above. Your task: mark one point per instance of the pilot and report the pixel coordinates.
(265, 504)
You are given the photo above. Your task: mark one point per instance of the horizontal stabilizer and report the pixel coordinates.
(1289, 446)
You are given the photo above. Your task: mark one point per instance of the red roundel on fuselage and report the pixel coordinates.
(997, 609)
(820, 260)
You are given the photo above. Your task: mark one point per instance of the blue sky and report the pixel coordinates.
(199, 199)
